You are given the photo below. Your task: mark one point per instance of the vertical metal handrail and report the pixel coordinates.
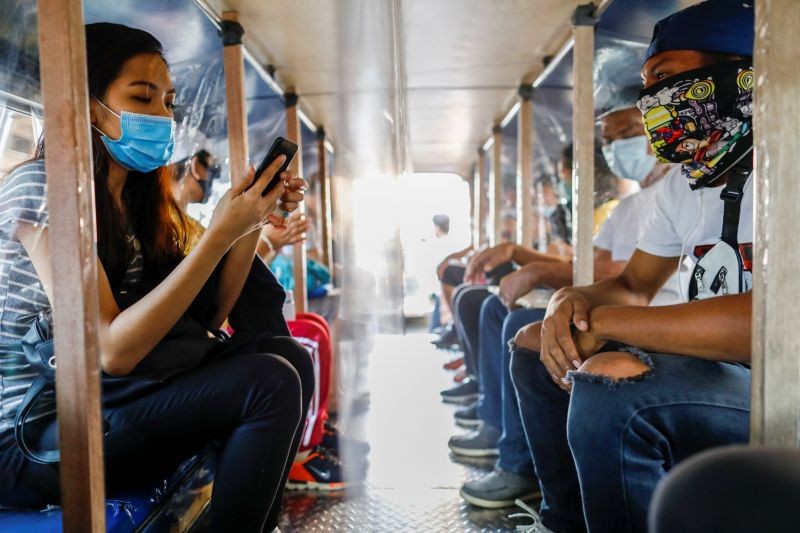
(525, 227)
(71, 228)
(482, 193)
(299, 249)
(775, 409)
(324, 207)
(583, 22)
(235, 97)
(496, 179)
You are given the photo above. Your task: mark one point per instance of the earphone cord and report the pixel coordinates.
(683, 295)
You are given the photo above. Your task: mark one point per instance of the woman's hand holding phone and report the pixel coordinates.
(243, 209)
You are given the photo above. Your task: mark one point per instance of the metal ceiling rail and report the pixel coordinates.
(551, 65)
(215, 19)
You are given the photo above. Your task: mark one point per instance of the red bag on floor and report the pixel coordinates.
(314, 335)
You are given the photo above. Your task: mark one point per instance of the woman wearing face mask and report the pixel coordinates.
(239, 395)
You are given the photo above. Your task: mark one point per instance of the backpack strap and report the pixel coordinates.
(39, 386)
(732, 195)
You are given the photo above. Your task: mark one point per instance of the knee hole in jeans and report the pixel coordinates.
(529, 337)
(612, 368)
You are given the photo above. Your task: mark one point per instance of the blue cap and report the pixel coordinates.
(725, 26)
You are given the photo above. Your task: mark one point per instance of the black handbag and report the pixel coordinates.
(186, 346)
(257, 312)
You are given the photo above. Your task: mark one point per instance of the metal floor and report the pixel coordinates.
(412, 480)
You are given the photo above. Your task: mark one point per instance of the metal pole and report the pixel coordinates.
(482, 190)
(775, 418)
(299, 256)
(324, 202)
(583, 22)
(525, 228)
(496, 207)
(475, 203)
(233, 57)
(70, 195)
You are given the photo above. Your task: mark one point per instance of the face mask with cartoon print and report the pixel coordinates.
(701, 119)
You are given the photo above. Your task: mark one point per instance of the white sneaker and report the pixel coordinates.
(536, 526)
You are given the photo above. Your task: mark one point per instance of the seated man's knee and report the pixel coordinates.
(595, 402)
(614, 366)
(529, 337)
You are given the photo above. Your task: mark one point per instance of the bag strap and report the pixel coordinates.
(37, 388)
(732, 195)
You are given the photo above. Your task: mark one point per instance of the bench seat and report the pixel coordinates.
(170, 505)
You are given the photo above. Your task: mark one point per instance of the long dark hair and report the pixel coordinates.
(152, 212)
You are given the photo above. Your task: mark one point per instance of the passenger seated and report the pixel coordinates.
(626, 151)
(192, 178)
(248, 393)
(488, 267)
(671, 381)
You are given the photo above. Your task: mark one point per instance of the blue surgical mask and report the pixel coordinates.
(629, 158)
(146, 141)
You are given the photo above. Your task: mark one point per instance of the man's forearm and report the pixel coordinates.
(523, 255)
(554, 275)
(717, 328)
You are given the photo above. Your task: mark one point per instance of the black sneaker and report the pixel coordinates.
(321, 471)
(499, 488)
(448, 338)
(480, 443)
(467, 417)
(463, 393)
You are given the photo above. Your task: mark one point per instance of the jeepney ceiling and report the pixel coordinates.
(464, 60)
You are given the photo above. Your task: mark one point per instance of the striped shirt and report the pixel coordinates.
(23, 200)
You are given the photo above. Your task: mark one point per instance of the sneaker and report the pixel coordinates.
(536, 526)
(499, 488)
(448, 338)
(335, 441)
(320, 471)
(462, 393)
(480, 443)
(467, 417)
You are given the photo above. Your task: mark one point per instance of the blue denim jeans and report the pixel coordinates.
(498, 404)
(600, 452)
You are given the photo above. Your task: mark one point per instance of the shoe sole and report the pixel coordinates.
(469, 423)
(470, 452)
(316, 487)
(496, 504)
(460, 400)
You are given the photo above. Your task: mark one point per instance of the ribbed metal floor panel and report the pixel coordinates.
(412, 481)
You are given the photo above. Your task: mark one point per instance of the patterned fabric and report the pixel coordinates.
(23, 200)
(701, 119)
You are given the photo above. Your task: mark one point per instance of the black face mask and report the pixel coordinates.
(701, 119)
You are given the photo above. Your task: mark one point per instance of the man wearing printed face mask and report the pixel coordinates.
(634, 412)
(621, 129)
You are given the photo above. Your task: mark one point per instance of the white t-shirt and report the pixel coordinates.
(683, 219)
(623, 229)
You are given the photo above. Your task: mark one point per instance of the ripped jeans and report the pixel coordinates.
(599, 452)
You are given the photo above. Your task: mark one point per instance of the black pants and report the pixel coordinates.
(467, 302)
(735, 490)
(253, 404)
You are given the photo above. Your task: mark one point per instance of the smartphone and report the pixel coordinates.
(281, 146)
